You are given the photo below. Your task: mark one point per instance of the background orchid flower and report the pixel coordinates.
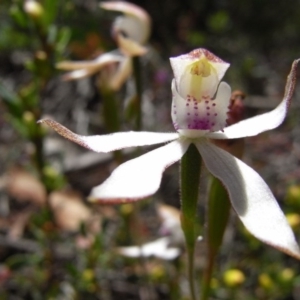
(199, 112)
(131, 31)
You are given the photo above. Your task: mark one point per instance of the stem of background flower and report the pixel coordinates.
(39, 159)
(190, 175)
(218, 214)
(138, 126)
(138, 87)
(111, 116)
(35, 134)
(44, 66)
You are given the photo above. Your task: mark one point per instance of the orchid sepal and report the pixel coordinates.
(266, 121)
(251, 198)
(111, 142)
(145, 176)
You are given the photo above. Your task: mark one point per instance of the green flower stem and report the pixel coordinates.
(39, 158)
(139, 91)
(190, 176)
(218, 214)
(111, 116)
(110, 110)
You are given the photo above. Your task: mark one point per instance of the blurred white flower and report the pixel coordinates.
(159, 248)
(131, 31)
(170, 224)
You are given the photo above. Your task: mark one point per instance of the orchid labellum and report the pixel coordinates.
(199, 112)
(131, 31)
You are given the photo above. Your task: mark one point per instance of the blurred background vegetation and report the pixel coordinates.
(55, 245)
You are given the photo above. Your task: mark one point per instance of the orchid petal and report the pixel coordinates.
(264, 122)
(121, 74)
(132, 28)
(140, 177)
(136, 23)
(111, 142)
(129, 46)
(204, 116)
(79, 74)
(126, 8)
(83, 69)
(99, 62)
(251, 198)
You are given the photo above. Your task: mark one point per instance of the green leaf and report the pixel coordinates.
(51, 8)
(63, 39)
(19, 126)
(18, 16)
(12, 101)
(218, 214)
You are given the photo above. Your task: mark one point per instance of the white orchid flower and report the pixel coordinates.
(132, 29)
(199, 113)
(131, 32)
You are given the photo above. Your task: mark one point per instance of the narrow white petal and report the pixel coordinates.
(98, 63)
(114, 141)
(129, 46)
(122, 73)
(140, 177)
(251, 198)
(264, 122)
(79, 74)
